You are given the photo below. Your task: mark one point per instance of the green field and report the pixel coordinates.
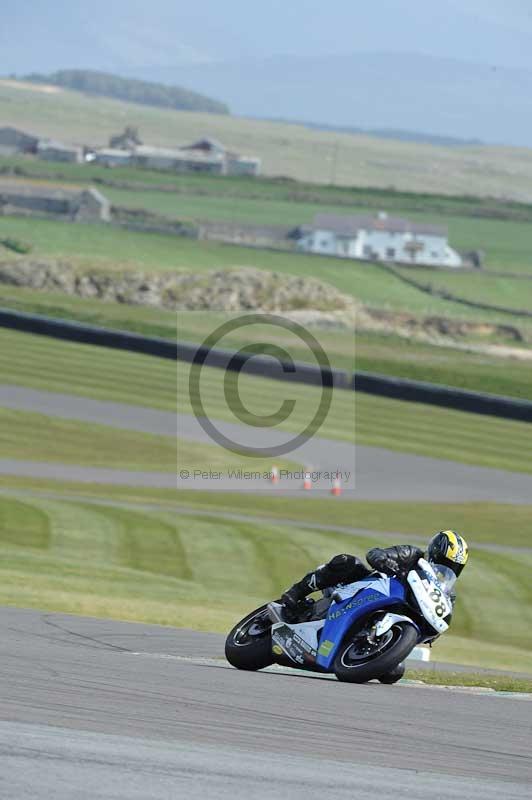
(514, 293)
(266, 189)
(502, 232)
(125, 377)
(285, 149)
(507, 244)
(109, 247)
(109, 560)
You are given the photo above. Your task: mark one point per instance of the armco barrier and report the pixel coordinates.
(266, 366)
(369, 383)
(87, 334)
(445, 396)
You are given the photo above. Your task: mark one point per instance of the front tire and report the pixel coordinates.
(393, 676)
(353, 665)
(249, 644)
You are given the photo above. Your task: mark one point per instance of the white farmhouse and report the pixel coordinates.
(379, 238)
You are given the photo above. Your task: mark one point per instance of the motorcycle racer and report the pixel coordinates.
(446, 548)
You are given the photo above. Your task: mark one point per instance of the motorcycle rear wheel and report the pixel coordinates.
(353, 667)
(249, 645)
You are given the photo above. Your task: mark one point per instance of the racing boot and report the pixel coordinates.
(340, 569)
(293, 597)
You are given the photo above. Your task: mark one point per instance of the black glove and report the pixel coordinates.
(397, 560)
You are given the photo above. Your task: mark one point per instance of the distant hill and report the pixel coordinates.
(130, 89)
(374, 91)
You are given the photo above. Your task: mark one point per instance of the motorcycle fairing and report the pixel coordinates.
(299, 641)
(381, 592)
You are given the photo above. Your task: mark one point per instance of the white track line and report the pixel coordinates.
(277, 669)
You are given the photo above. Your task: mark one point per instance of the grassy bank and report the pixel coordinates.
(506, 526)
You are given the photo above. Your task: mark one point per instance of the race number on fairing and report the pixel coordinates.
(433, 602)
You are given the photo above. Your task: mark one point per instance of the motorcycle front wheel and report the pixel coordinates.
(393, 676)
(249, 644)
(360, 660)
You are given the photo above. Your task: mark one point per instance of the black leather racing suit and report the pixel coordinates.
(344, 568)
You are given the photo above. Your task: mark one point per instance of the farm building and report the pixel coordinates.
(127, 140)
(379, 238)
(204, 155)
(235, 164)
(49, 150)
(112, 157)
(22, 198)
(242, 165)
(206, 145)
(14, 141)
(178, 160)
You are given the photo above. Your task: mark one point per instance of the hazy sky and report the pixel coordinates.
(109, 34)
(386, 63)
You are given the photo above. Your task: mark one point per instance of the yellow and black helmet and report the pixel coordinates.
(450, 549)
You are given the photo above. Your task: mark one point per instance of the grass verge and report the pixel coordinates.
(37, 437)
(499, 683)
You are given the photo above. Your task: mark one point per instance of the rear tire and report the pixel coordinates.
(249, 645)
(351, 667)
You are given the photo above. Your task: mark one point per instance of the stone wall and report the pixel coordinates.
(88, 205)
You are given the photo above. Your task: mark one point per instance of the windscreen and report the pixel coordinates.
(445, 576)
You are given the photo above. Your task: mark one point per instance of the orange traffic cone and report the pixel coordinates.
(274, 475)
(336, 490)
(307, 482)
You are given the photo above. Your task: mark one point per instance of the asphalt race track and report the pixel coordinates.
(103, 709)
(379, 474)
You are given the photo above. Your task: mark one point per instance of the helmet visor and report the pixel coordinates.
(445, 576)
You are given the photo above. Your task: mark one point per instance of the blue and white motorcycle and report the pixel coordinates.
(360, 631)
